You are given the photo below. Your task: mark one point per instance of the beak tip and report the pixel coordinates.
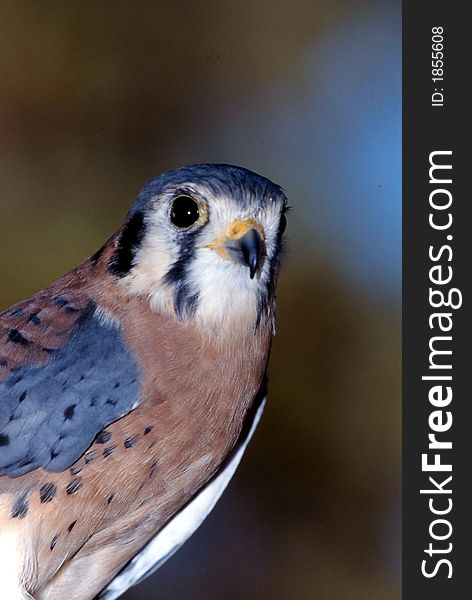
(249, 250)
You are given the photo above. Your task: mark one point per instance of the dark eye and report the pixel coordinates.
(184, 212)
(282, 224)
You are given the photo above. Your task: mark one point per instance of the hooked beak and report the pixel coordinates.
(248, 250)
(243, 243)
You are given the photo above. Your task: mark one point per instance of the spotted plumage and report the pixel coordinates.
(130, 387)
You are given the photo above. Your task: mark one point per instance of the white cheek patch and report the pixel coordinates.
(227, 296)
(152, 263)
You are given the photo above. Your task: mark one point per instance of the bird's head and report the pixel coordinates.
(204, 243)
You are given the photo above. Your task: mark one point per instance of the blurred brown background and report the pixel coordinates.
(95, 99)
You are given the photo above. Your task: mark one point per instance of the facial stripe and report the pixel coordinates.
(128, 243)
(185, 300)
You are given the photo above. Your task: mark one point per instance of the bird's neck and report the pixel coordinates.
(181, 348)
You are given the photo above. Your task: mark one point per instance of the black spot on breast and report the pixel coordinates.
(75, 470)
(90, 457)
(148, 429)
(17, 312)
(103, 437)
(20, 508)
(53, 542)
(127, 244)
(71, 309)
(74, 485)
(33, 318)
(154, 470)
(130, 441)
(15, 336)
(60, 301)
(110, 498)
(69, 412)
(109, 450)
(47, 492)
(3, 362)
(4, 439)
(71, 526)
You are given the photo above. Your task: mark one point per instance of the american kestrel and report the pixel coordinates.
(131, 386)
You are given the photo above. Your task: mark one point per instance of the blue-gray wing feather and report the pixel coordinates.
(50, 413)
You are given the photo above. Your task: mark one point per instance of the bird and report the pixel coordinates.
(131, 386)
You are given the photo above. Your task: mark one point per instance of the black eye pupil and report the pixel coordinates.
(184, 212)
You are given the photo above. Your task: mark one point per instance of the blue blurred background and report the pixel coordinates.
(97, 98)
